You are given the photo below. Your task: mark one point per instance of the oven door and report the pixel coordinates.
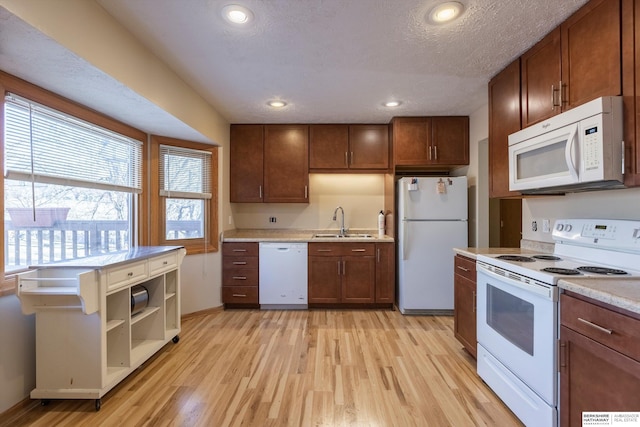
(544, 161)
(517, 324)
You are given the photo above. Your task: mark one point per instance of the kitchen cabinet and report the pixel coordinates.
(464, 317)
(98, 322)
(599, 359)
(631, 89)
(430, 141)
(269, 163)
(385, 273)
(343, 148)
(504, 119)
(240, 274)
(575, 63)
(342, 273)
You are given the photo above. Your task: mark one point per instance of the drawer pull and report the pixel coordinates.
(593, 325)
(325, 250)
(240, 263)
(466, 270)
(358, 250)
(239, 277)
(239, 295)
(239, 250)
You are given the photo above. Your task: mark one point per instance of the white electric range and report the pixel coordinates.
(518, 309)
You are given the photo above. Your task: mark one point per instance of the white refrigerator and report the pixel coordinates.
(432, 213)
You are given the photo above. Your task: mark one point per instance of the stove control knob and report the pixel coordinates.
(568, 227)
(560, 227)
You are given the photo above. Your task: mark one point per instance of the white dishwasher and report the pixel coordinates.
(283, 275)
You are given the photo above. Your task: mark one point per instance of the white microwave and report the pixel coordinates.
(578, 150)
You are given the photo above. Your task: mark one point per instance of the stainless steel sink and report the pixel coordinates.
(342, 236)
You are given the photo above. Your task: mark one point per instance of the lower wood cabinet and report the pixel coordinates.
(351, 273)
(240, 274)
(464, 283)
(599, 359)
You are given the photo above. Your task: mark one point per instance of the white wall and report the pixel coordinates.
(360, 195)
(610, 204)
(477, 174)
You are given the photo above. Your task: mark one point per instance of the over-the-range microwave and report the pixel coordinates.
(578, 150)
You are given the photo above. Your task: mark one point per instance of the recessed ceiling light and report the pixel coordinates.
(446, 12)
(392, 104)
(236, 14)
(276, 103)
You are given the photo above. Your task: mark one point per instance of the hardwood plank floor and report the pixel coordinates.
(295, 368)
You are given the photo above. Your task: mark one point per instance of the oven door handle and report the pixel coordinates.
(547, 291)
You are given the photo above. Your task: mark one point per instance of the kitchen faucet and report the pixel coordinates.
(343, 231)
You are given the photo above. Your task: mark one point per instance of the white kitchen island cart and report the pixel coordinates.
(100, 318)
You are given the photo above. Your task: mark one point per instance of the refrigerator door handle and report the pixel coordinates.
(405, 237)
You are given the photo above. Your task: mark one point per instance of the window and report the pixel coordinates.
(71, 180)
(185, 194)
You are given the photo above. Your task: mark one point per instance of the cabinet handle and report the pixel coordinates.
(466, 270)
(240, 263)
(351, 157)
(338, 268)
(553, 98)
(474, 303)
(560, 95)
(430, 147)
(260, 191)
(562, 359)
(306, 191)
(239, 250)
(598, 327)
(435, 152)
(346, 158)
(239, 277)
(240, 295)
(344, 267)
(378, 255)
(325, 250)
(358, 250)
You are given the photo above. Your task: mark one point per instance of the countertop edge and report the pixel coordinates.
(621, 293)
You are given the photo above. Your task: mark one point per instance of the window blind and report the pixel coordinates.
(185, 173)
(48, 146)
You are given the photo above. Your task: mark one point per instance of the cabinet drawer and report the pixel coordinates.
(240, 277)
(465, 267)
(341, 249)
(240, 249)
(588, 319)
(240, 295)
(126, 274)
(163, 263)
(239, 262)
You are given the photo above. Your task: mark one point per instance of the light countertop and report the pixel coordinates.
(474, 252)
(288, 235)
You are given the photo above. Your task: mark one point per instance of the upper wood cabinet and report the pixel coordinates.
(339, 148)
(430, 141)
(246, 156)
(575, 63)
(504, 119)
(269, 163)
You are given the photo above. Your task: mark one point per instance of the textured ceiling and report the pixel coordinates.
(339, 60)
(332, 60)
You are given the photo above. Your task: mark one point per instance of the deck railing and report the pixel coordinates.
(69, 240)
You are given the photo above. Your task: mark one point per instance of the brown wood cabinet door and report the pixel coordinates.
(504, 119)
(369, 147)
(246, 168)
(286, 163)
(450, 140)
(591, 52)
(594, 378)
(328, 146)
(540, 79)
(358, 279)
(385, 273)
(465, 312)
(325, 279)
(411, 140)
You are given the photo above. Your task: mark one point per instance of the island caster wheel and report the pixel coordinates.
(98, 404)
(44, 402)
(176, 339)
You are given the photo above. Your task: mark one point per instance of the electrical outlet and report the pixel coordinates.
(546, 226)
(230, 220)
(534, 225)
(272, 219)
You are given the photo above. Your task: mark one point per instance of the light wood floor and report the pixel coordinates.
(295, 368)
